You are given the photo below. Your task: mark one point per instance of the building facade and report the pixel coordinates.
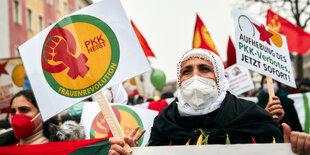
(23, 19)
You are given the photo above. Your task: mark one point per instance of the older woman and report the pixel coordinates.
(204, 112)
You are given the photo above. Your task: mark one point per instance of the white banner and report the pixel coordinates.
(129, 117)
(301, 105)
(263, 50)
(236, 149)
(239, 78)
(85, 52)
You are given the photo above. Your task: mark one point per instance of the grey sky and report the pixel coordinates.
(168, 26)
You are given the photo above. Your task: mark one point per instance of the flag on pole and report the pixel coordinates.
(298, 40)
(231, 53)
(145, 46)
(202, 37)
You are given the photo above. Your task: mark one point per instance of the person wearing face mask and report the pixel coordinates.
(204, 112)
(28, 125)
(282, 106)
(27, 121)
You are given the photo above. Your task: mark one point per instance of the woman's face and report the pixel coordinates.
(21, 105)
(273, 81)
(196, 66)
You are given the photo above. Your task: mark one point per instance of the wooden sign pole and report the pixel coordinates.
(271, 92)
(110, 117)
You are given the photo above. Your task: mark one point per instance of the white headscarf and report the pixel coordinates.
(221, 81)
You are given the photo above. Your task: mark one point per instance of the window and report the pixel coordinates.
(57, 5)
(65, 8)
(29, 19)
(41, 23)
(71, 10)
(17, 11)
(50, 2)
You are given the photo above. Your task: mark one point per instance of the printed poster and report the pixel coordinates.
(129, 118)
(83, 53)
(263, 50)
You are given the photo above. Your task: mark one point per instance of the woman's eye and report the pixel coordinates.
(24, 111)
(185, 72)
(206, 69)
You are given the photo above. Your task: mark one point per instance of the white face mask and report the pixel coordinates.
(198, 91)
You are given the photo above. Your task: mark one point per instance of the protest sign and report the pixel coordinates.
(239, 79)
(129, 117)
(11, 80)
(261, 49)
(236, 149)
(83, 53)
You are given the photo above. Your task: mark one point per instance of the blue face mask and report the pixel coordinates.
(75, 111)
(275, 87)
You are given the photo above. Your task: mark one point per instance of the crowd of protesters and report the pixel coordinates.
(202, 106)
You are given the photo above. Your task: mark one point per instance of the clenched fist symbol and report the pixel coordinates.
(61, 48)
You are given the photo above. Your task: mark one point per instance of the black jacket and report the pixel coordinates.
(290, 116)
(237, 120)
(8, 138)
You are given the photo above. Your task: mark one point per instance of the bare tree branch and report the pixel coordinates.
(306, 23)
(296, 9)
(304, 8)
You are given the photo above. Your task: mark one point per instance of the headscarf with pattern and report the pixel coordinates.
(221, 82)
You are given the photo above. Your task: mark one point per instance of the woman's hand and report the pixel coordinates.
(275, 108)
(300, 141)
(117, 144)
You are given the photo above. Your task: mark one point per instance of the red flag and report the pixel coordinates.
(159, 105)
(231, 53)
(298, 40)
(89, 146)
(156, 105)
(146, 48)
(202, 37)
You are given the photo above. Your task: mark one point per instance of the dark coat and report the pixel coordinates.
(8, 138)
(237, 120)
(290, 117)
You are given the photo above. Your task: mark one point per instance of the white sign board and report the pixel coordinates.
(129, 117)
(235, 149)
(83, 53)
(239, 78)
(263, 50)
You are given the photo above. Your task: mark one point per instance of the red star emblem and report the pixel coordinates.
(264, 35)
(2, 68)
